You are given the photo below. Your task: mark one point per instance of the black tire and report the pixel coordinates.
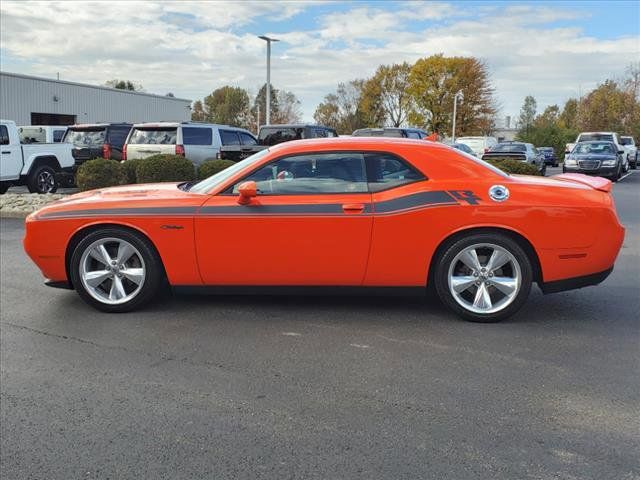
(618, 174)
(154, 271)
(42, 180)
(4, 187)
(453, 249)
(543, 172)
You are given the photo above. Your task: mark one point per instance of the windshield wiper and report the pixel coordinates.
(186, 186)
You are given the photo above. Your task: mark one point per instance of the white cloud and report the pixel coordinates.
(191, 48)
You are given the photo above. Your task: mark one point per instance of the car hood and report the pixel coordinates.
(130, 198)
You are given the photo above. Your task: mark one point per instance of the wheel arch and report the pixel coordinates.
(518, 237)
(49, 160)
(85, 230)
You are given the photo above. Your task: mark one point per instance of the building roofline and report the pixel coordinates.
(98, 87)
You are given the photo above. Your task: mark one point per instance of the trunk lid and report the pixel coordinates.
(597, 183)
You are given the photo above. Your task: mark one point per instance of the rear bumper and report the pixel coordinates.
(575, 282)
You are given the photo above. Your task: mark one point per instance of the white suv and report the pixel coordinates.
(479, 145)
(629, 145)
(196, 141)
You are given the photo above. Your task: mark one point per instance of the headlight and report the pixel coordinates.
(570, 162)
(608, 163)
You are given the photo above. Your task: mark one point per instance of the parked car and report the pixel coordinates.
(347, 213)
(401, 132)
(97, 140)
(272, 135)
(463, 147)
(196, 141)
(41, 133)
(39, 166)
(524, 152)
(600, 137)
(549, 156)
(629, 145)
(595, 158)
(479, 145)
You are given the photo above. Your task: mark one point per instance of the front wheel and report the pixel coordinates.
(484, 277)
(42, 180)
(116, 270)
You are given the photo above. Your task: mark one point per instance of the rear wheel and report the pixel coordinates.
(42, 180)
(4, 187)
(484, 277)
(116, 270)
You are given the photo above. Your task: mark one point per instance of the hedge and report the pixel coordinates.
(211, 167)
(129, 167)
(509, 165)
(99, 173)
(164, 168)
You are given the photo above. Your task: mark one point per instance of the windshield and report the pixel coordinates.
(587, 137)
(595, 148)
(472, 142)
(509, 147)
(626, 140)
(209, 183)
(85, 137)
(154, 136)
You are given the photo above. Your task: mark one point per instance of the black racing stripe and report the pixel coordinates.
(121, 212)
(326, 208)
(421, 199)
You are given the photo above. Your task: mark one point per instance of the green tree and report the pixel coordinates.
(260, 105)
(610, 108)
(526, 117)
(569, 115)
(433, 83)
(124, 85)
(342, 109)
(227, 105)
(197, 112)
(385, 99)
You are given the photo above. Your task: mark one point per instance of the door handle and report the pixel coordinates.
(353, 207)
(7, 153)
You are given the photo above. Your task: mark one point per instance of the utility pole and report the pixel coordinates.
(455, 111)
(268, 92)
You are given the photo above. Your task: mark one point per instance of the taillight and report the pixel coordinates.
(486, 150)
(124, 152)
(106, 151)
(180, 150)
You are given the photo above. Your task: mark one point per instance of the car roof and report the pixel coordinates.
(100, 124)
(296, 125)
(353, 143)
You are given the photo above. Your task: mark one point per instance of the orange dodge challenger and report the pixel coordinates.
(358, 213)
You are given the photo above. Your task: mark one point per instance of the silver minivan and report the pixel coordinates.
(196, 141)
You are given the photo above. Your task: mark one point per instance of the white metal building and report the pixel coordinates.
(41, 101)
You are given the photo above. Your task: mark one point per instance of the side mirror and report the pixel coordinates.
(247, 191)
(620, 152)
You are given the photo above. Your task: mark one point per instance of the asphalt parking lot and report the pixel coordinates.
(322, 387)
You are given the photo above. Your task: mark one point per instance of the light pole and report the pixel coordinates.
(268, 92)
(455, 109)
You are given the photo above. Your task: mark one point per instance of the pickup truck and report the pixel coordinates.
(39, 166)
(629, 146)
(601, 137)
(272, 135)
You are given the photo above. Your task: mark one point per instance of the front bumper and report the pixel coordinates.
(599, 172)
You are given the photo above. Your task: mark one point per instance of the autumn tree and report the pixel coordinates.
(548, 130)
(609, 108)
(385, 98)
(227, 105)
(569, 116)
(259, 107)
(197, 112)
(342, 110)
(433, 83)
(289, 108)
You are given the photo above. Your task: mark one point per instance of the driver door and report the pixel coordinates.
(309, 225)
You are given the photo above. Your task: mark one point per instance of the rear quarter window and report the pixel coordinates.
(154, 136)
(229, 137)
(82, 137)
(197, 136)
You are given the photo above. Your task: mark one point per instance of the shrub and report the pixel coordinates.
(99, 173)
(164, 168)
(211, 167)
(509, 165)
(129, 168)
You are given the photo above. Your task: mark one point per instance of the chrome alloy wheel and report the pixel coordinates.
(45, 181)
(484, 278)
(112, 271)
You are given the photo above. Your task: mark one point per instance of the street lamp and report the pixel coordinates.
(455, 108)
(268, 92)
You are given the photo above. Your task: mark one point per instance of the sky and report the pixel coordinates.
(553, 50)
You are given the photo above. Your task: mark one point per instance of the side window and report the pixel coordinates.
(229, 137)
(57, 135)
(247, 139)
(411, 134)
(319, 133)
(331, 133)
(386, 171)
(197, 136)
(311, 174)
(4, 135)
(117, 135)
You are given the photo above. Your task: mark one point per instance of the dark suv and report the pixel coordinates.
(400, 132)
(97, 140)
(274, 134)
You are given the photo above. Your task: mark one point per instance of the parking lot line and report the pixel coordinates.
(625, 176)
